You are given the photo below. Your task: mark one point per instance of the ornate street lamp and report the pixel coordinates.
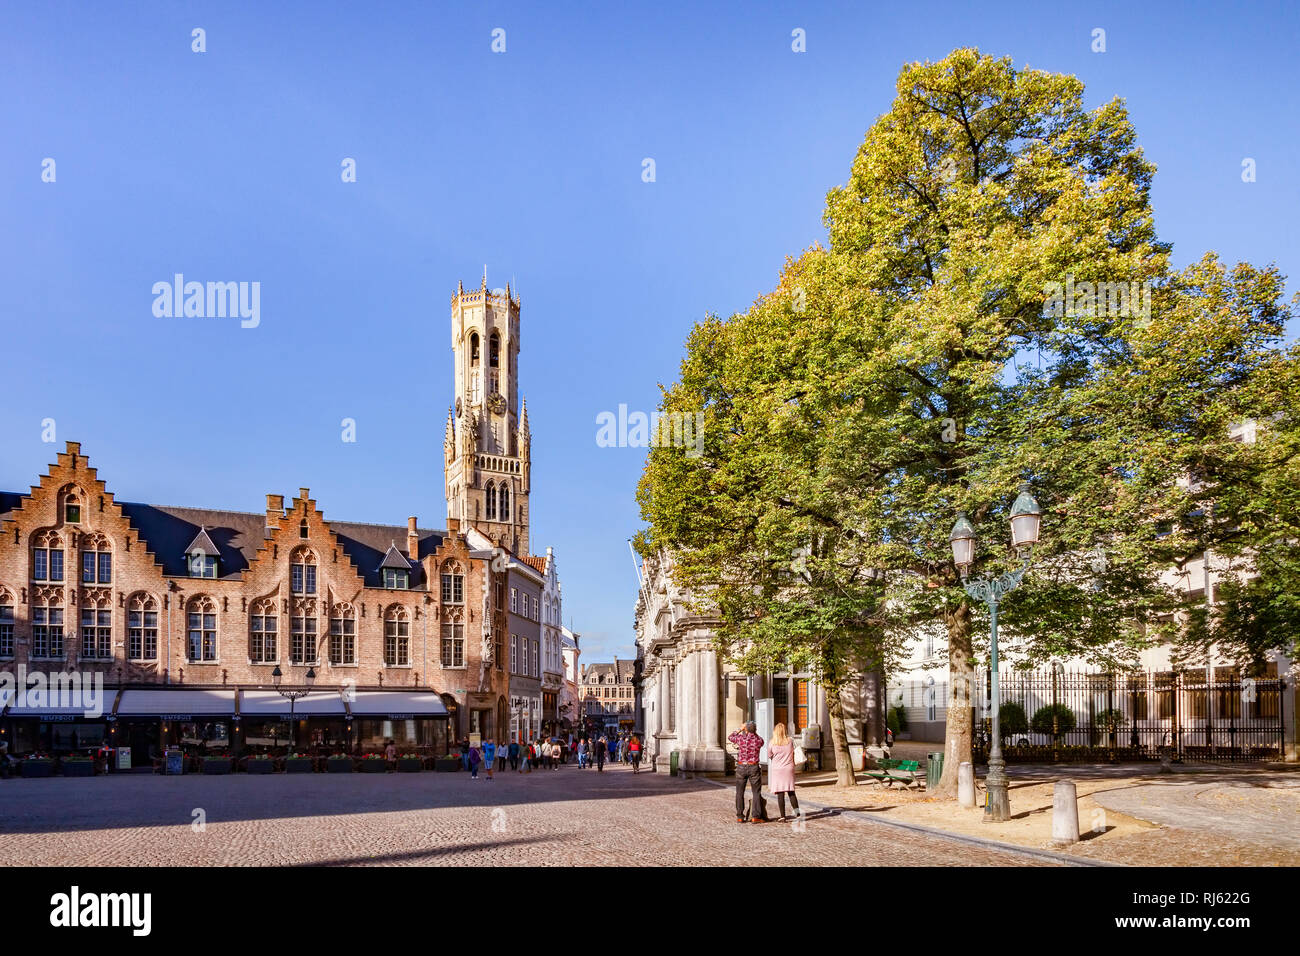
(1026, 518)
(292, 695)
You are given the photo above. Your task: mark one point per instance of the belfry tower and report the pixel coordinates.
(488, 447)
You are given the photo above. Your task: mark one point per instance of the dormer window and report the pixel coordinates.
(395, 570)
(202, 555)
(72, 513)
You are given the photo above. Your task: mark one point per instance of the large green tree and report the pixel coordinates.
(949, 344)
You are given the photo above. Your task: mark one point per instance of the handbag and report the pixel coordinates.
(800, 758)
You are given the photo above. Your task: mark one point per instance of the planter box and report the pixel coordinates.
(446, 766)
(374, 766)
(37, 768)
(260, 766)
(410, 765)
(298, 766)
(339, 764)
(78, 768)
(217, 765)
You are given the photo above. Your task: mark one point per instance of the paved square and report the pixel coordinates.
(565, 817)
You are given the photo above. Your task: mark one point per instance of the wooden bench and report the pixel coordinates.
(890, 772)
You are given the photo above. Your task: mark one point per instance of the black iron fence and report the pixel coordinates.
(1146, 715)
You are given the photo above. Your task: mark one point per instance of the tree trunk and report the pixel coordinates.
(840, 741)
(958, 736)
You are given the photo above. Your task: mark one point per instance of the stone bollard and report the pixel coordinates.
(1065, 814)
(966, 784)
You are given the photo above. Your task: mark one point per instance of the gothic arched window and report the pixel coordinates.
(505, 502)
(397, 640)
(343, 635)
(202, 620)
(473, 349)
(142, 627)
(262, 632)
(491, 496)
(302, 571)
(494, 351)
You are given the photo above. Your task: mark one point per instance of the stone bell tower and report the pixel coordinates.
(487, 446)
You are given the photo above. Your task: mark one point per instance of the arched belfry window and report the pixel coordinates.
(505, 502)
(490, 495)
(494, 351)
(473, 349)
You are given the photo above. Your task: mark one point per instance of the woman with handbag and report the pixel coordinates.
(780, 768)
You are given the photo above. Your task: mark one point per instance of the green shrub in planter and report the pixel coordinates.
(447, 764)
(374, 763)
(37, 767)
(1042, 722)
(78, 766)
(260, 763)
(410, 764)
(298, 765)
(217, 765)
(339, 764)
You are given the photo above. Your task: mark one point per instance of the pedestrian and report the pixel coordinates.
(749, 744)
(514, 754)
(390, 756)
(573, 747)
(475, 758)
(558, 751)
(490, 756)
(464, 752)
(582, 753)
(780, 768)
(532, 756)
(600, 754)
(634, 749)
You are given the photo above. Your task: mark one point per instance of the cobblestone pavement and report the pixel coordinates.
(565, 817)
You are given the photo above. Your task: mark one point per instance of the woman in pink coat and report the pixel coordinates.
(780, 768)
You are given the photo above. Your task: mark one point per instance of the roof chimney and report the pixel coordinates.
(412, 540)
(274, 510)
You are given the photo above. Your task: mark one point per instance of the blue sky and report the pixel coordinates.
(225, 165)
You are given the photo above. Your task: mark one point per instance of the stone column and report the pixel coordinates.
(712, 736)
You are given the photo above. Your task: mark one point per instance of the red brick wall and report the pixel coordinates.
(135, 570)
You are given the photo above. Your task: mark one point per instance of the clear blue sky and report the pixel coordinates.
(225, 166)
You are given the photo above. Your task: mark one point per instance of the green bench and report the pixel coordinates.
(890, 772)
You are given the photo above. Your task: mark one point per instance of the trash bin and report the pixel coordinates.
(933, 769)
(673, 759)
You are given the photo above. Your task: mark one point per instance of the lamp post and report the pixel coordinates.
(1026, 516)
(292, 695)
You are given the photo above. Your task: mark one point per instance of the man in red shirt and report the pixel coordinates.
(748, 771)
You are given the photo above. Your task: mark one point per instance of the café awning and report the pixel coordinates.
(177, 704)
(396, 705)
(269, 703)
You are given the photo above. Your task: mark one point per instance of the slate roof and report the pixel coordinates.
(9, 500)
(167, 531)
(603, 670)
(202, 544)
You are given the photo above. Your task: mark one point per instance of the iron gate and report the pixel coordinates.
(1144, 715)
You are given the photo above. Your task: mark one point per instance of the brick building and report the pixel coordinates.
(399, 630)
